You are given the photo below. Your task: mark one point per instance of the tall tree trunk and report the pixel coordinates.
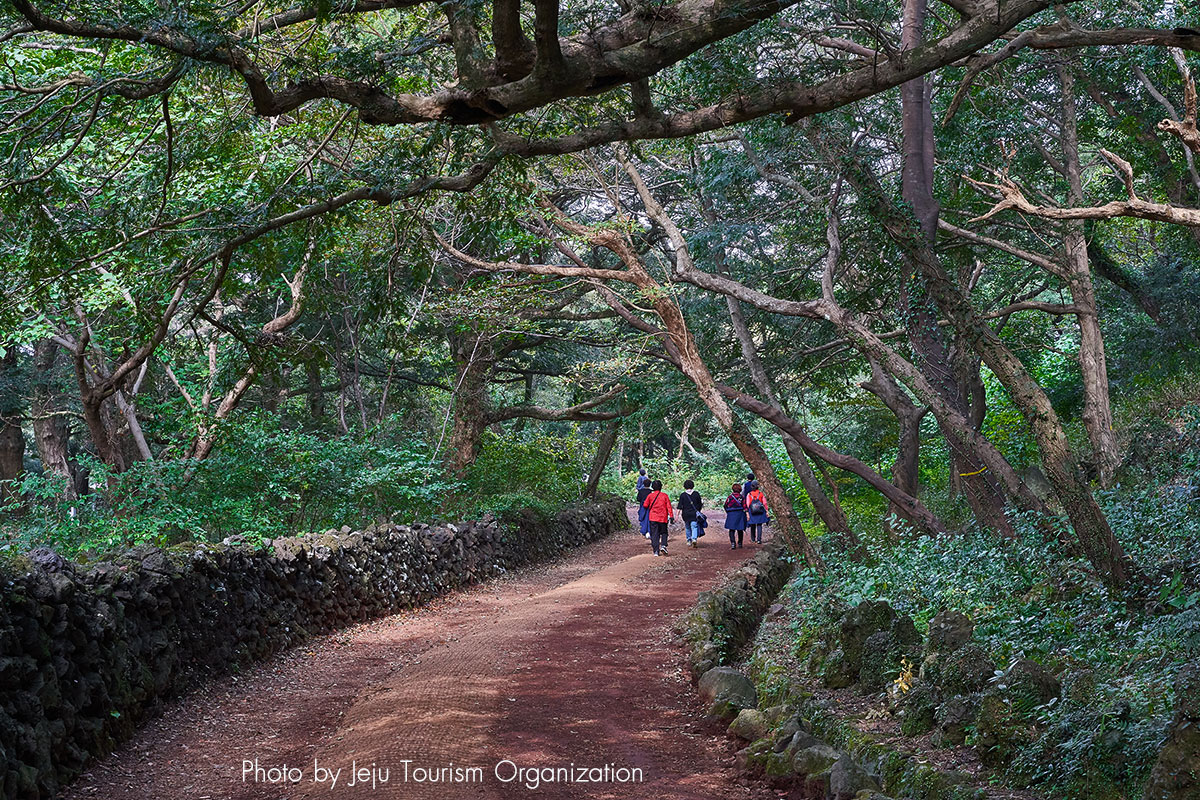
(1097, 410)
(316, 395)
(103, 433)
(906, 470)
(604, 450)
(12, 438)
(474, 361)
(51, 433)
(983, 492)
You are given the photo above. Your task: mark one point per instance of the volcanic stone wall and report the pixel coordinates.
(88, 652)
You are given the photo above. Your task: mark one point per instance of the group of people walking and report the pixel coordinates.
(745, 509)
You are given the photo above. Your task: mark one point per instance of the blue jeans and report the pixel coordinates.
(693, 530)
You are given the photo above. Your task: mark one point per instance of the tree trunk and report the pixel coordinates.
(906, 470)
(51, 433)
(12, 438)
(103, 433)
(914, 509)
(984, 494)
(603, 451)
(1097, 410)
(828, 511)
(473, 359)
(316, 396)
(1090, 525)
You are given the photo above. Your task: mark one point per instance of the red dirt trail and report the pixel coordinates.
(568, 663)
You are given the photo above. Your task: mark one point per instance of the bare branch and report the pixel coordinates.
(581, 412)
(1033, 258)
(1133, 207)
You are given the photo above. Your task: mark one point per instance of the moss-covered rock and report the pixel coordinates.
(948, 631)
(753, 757)
(964, 670)
(726, 692)
(749, 724)
(1176, 773)
(866, 646)
(814, 759)
(955, 718)
(847, 778)
(917, 709)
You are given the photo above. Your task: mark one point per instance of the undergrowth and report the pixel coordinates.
(1032, 598)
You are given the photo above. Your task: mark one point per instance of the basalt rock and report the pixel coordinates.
(724, 619)
(962, 671)
(847, 779)
(1176, 773)
(726, 692)
(948, 631)
(867, 645)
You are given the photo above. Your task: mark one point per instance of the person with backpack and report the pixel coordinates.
(660, 512)
(735, 516)
(756, 512)
(690, 503)
(643, 514)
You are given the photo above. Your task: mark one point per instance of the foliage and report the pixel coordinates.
(265, 482)
(1033, 598)
(525, 469)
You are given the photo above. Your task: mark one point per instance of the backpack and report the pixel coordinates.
(757, 507)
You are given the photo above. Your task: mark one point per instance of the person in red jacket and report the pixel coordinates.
(660, 512)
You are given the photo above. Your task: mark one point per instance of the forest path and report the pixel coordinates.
(568, 663)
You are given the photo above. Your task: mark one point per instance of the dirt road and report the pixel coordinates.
(565, 676)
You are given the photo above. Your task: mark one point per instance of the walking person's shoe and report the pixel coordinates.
(663, 552)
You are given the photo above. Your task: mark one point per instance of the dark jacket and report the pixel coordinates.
(689, 505)
(735, 513)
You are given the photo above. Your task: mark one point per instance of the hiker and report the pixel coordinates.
(642, 479)
(690, 503)
(660, 512)
(756, 512)
(643, 515)
(735, 516)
